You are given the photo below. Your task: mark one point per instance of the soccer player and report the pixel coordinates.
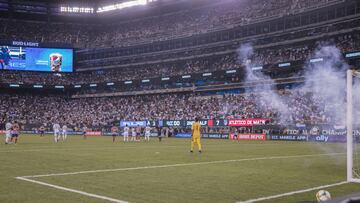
(195, 135)
(158, 128)
(114, 132)
(235, 136)
(8, 127)
(126, 133)
(138, 133)
(56, 128)
(147, 133)
(64, 132)
(84, 129)
(133, 134)
(15, 132)
(42, 131)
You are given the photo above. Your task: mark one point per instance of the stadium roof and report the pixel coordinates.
(82, 10)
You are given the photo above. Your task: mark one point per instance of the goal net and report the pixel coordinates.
(353, 126)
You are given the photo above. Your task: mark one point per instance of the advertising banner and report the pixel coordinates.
(133, 123)
(93, 133)
(327, 138)
(215, 135)
(288, 137)
(239, 136)
(183, 135)
(247, 122)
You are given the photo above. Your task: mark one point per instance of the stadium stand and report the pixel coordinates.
(190, 42)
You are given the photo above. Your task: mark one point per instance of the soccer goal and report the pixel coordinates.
(353, 126)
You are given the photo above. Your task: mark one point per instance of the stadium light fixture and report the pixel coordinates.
(186, 76)
(110, 84)
(14, 85)
(122, 5)
(38, 86)
(284, 65)
(68, 9)
(59, 87)
(350, 55)
(257, 68)
(207, 74)
(166, 78)
(231, 71)
(146, 80)
(315, 60)
(128, 82)
(77, 86)
(93, 85)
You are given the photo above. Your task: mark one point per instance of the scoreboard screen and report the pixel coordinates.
(36, 59)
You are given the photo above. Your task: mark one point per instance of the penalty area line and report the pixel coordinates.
(72, 190)
(292, 193)
(183, 164)
(28, 178)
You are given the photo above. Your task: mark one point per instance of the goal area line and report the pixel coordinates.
(110, 199)
(293, 192)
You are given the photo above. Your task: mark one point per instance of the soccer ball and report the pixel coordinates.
(323, 196)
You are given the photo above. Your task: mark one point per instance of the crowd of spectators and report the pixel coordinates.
(346, 43)
(301, 107)
(197, 20)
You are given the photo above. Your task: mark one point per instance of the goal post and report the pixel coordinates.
(351, 145)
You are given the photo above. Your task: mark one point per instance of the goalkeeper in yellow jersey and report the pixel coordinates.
(195, 135)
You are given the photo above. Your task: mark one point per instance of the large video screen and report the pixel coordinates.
(36, 59)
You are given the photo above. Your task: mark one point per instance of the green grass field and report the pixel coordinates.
(226, 171)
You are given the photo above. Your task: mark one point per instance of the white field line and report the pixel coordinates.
(27, 178)
(114, 148)
(82, 148)
(292, 193)
(72, 190)
(181, 164)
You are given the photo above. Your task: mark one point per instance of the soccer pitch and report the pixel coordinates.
(97, 170)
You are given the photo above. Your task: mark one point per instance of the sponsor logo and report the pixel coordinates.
(28, 44)
(93, 133)
(288, 137)
(239, 136)
(214, 135)
(322, 138)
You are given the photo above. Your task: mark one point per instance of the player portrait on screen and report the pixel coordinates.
(5, 57)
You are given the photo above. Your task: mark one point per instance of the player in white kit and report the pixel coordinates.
(64, 132)
(147, 133)
(133, 134)
(8, 127)
(56, 128)
(126, 134)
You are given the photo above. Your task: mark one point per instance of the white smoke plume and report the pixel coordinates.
(267, 93)
(326, 81)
